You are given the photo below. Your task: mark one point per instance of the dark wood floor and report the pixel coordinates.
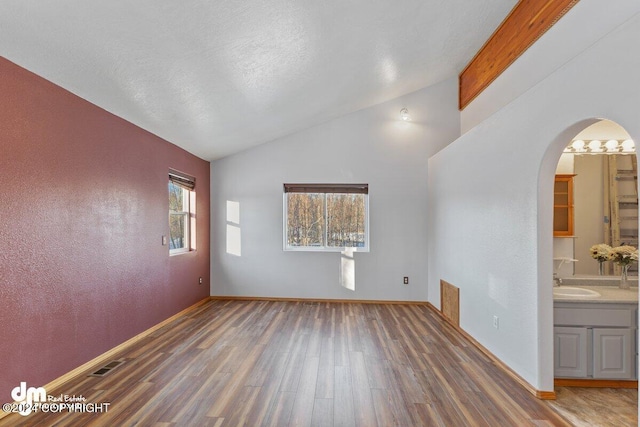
(232, 363)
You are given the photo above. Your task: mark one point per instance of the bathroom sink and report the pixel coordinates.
(567, 291)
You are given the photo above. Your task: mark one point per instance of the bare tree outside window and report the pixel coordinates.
(345, 220)
(178, 217)
(327, 220)
(306, 219)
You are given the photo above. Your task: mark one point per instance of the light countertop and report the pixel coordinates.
(589, 280)
(608, 294)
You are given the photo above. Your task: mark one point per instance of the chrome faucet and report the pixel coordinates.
(557, 281)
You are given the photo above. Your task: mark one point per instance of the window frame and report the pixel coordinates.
(187, 185)
(325, 189)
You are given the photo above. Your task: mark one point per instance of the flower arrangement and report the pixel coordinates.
(600, 252)
(623, 255)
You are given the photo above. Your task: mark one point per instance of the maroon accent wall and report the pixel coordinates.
(83, 207)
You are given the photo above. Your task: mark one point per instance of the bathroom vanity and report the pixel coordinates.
(595, 332)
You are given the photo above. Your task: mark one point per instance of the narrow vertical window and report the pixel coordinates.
(326, 217)
(181, 189)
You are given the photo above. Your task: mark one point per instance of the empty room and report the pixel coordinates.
(285, 213)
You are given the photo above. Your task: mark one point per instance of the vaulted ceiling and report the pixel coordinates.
(219, 76)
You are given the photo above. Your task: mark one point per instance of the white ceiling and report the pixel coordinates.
(219, 76)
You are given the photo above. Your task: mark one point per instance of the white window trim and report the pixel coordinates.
(286, 248)
(186, 202)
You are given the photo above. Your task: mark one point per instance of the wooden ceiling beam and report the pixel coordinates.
(525, 24)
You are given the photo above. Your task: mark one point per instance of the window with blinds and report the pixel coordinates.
(181, 201)
(326, 217)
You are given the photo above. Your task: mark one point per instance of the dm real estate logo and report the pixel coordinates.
(32, 399)
(26, 397)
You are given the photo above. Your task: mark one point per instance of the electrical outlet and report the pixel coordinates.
(164, 240)
(200, 281)
(405, 280)
(496, 323)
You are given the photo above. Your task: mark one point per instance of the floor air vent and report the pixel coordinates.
(106, 368)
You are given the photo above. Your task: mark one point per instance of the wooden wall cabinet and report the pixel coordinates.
(563, 206)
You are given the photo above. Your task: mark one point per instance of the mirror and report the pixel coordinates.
(605, 203)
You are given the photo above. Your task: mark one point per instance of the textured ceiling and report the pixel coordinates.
(219, 76)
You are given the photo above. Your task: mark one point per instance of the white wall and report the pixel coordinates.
(490, 193)
(369, 146)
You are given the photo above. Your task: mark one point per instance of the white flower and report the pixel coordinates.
(623, 255)
(600, 251)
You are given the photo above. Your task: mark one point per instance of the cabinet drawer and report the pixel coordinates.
(594, 317)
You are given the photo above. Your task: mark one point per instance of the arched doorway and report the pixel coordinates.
(565, 247)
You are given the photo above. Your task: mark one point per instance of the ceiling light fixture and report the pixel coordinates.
(404, 115)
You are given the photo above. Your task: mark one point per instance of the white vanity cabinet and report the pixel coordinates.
(595, 340)
(614, 353)
(571, 348)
